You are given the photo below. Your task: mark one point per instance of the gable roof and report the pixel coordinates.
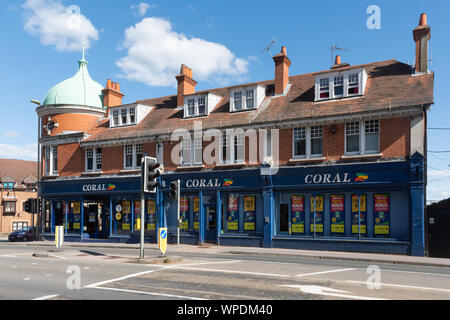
(18, 170)
(390, 85)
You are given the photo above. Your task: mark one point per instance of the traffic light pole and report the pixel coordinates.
(142, 208)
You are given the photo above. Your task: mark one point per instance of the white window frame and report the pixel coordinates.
(189, 155)
(235, 147)
(195, 107)
(97, 159)
(134, 150)
(244, 94)
(51, 160)
(117, 116)
(363, 131)
(321, 88)
(308, 136)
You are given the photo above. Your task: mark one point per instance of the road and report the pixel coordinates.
(113, 274)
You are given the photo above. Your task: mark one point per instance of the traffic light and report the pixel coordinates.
(173, 190)
(29, 206)
(151, 173)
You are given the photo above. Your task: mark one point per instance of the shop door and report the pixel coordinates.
(211, 234)
(284, 217)
(438, 233)
(104, 234)
(91, 221)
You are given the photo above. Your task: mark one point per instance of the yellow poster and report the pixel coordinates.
(319, 203)
(126, 226)
(126, 207)
(151, 206)
(76, 207)
(137, 207)
(196, 204)
(355, 203)
(249, 203)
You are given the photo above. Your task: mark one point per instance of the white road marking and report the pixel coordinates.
(402, 286)
(149, 293)
(26, 279)
(55, 256)
(94, 285)
(234, 271)
(86, 268)
(48, 275)
(416, 272)
(324, 272)
(323, 291)
(46, 297)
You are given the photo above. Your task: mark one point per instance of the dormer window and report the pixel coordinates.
(353, 84)
(132, 115)
(340, 84)
(199, 105)
(202, 106)
(247, 98)
(250, 96)
(128, 115)
(324, 88)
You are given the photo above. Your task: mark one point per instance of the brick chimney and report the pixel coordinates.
(111, 95)
(282, 64)
(422, 35)
(186, 84)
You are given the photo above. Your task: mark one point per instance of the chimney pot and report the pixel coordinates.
(282, 64)
(423, 20)
(117, 87)
(108, 84)
(338, 60)
(284, 51)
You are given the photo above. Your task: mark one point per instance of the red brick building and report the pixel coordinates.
(18, 184)
(327, 160)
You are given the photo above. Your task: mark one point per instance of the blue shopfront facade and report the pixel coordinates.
(365, 207)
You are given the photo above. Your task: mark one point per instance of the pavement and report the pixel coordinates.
(215, 250)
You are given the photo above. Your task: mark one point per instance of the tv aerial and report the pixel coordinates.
(271, 44)
(336, 48)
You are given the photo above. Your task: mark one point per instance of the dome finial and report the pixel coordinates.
(83, 61)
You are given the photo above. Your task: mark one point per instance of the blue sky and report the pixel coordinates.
(141, 44)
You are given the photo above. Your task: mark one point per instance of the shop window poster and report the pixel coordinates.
(137, 215)
(381, 214)
(126, 210)
(76, 215)
(249, 213)
(233, 213)
(196, 213)
(184, 213)
(359, 204)
(298, 214)
(337, 214)
(318, 227)
(151, 215)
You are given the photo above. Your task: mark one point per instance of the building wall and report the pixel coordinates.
(394, 142)
(6, 219)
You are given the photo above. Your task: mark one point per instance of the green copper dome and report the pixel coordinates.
(79, 90)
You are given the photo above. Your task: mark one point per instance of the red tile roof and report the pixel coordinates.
(19, 170)
(390, 85)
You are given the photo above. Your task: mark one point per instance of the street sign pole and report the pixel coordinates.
(178, 212)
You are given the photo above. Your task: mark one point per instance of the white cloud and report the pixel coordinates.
(438, 184)
(65, 28)
(142, 8)
(11, 134)
(156, 52)
(25, 152)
